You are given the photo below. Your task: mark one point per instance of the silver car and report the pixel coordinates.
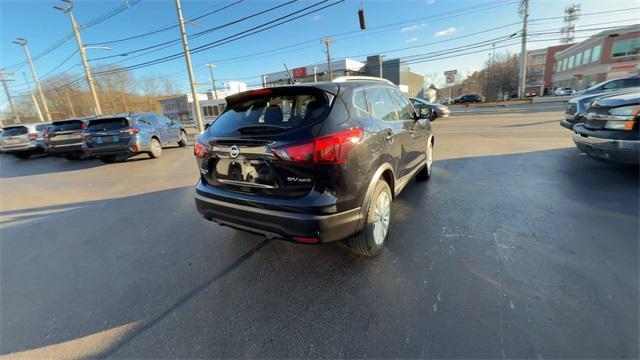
(118, 137)
(23, 140)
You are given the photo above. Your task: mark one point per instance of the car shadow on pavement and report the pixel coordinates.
(41, 165)
(537, 262)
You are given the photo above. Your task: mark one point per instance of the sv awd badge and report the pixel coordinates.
(298, 180)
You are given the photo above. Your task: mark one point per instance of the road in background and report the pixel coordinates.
(518, 247)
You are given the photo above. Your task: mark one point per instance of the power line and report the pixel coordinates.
(166, 27)
(69, 36)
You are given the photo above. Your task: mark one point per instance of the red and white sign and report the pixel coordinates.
(299, 72)
(451, 79)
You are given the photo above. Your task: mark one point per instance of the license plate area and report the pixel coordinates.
(107, 139)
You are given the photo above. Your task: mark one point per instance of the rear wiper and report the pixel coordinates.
(260, 128)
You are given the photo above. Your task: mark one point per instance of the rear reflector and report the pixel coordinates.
(306, 240)
(329, 149)
(200, 149)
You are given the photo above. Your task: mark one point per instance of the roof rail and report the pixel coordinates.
(362, 78)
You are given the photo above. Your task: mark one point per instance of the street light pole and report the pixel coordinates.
(83, 55)
(213, 80)
(33, 98)
(315, 74)
(192, 82)
(23, 42)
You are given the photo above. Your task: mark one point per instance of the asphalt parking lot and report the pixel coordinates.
(518, 247)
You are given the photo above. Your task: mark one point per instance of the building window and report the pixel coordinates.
(578, 59)
(564, 64)
(625, 47)
(595, 54)
(586, 56)
(571, 61)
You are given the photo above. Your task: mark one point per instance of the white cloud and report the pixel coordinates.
(445, 32)
(413, 27)
(413, 39)
(430, 1)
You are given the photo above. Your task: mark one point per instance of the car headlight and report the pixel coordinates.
(615, 125)
(632, 110)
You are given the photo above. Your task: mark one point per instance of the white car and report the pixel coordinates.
(23, 140)
(563, 91)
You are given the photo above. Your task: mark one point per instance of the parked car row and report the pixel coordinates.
(110, 138)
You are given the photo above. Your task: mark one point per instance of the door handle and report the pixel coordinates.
(389, 137)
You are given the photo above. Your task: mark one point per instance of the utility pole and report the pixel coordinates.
(328, 42)
(524, 12)
(315, 74)
(213, 80)
(381, 60)
(6, 92)
(73, 112)
(264, 80)
(83, 54)
(192, 82)
(23, 42)
(33, 98)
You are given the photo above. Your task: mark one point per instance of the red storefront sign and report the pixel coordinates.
(299, 72)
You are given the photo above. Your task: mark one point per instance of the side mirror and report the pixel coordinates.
(424, 113)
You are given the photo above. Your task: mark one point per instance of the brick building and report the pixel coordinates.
(606, 55)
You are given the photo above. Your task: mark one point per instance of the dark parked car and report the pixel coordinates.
(611, 130)
(576, 110)
(464, 99)
(64, 138)
(119, 137)
(23, 140)
(437, 110)
(313, 163)
(611, 85)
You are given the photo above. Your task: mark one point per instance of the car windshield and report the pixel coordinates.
(107, 124)
(68, 125)
(15, 131)
(271, 112)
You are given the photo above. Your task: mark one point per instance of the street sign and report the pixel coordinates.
(450, 72)
(299, 72)
(451, 78)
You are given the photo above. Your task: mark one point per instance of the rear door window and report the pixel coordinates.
(108, 124)
(360, 101)
(381, 104)
(631, 82)
(15, 131)
(272, 112)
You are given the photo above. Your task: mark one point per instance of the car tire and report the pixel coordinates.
(155, 149)
(107, 159)
(183, 139)
(425, 173)
(23, 156)
(375, 233)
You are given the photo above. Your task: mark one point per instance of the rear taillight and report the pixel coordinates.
(329, 149)
(130, 131)
(33, 137)
(84, 125)
(200, 149)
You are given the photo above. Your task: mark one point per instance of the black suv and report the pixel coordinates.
(463, 99)
(64, 138)
(313, 163)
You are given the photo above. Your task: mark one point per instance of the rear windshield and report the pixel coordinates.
(107, 124)
(272, 112)
(65, 125)
(15, 131)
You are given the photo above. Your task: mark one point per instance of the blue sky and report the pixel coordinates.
(418, 24)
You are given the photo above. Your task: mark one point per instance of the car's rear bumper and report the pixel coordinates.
(27, 147)
(65, 149)
(617, 150)
(286, 225)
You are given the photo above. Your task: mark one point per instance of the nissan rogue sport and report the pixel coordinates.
(313, 163)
